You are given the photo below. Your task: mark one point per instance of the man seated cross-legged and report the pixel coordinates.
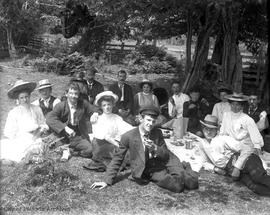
(150, 160)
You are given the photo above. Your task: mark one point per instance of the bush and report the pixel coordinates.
(151, 59)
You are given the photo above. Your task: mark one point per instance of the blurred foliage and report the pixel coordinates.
(151, 59)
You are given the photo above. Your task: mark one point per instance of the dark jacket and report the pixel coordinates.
(132, 141)
(195, 114)
(95, 89)
(59, 117)
(128, 96)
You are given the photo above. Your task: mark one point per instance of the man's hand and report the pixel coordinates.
(70, 131)
(204, 101)
(99, 185)
(235, 173)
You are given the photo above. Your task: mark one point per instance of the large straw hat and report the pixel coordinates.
(20, 86)
(238, 97)
(106, 93)
(210, 121)
(146, 81)
(45, 83)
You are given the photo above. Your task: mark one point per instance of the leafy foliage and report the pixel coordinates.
(151, 59)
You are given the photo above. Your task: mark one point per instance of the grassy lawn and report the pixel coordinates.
(63, 188)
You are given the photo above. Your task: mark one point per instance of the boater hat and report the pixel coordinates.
(45, 83)
(21, 86)
(106, 93)
(210, 121)
(237, 97)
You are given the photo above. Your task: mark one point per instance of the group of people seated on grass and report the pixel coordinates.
(116, 130)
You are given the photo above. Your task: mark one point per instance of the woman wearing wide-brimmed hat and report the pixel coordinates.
(145, 97)
(23, 123)
(107, 130)
(239, 125)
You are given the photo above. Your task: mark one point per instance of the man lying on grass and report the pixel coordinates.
(150, 160)
(232, 157)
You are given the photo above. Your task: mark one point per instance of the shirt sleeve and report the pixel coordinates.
(56, 101)
(215, 111)
(254, 134)
(170, 109)
(11, 126)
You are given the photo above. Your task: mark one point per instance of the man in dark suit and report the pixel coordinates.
(94, 87)
(150, 160)
(124, 105)
(68, 119)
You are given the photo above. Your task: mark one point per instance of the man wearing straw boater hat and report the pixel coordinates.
(46, 101)
(239, 125)
(229, 156)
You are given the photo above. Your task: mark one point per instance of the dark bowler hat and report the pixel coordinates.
(149, 110)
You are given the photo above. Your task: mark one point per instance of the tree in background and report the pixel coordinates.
(20, 20)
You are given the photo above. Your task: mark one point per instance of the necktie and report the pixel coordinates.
(146, 139)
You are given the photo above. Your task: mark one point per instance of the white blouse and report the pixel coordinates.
(179, 101)
(109, 126)
(21, 121)
(219, 109)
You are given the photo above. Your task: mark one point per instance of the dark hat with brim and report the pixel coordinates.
(21, 86)
(149, 110)
(237, 97)
(210, 121)
(146, 81)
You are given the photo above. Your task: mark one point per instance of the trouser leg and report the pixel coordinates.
(174, 183)
(83, 146)
(254, 168)
(175, 167)
(255, 187)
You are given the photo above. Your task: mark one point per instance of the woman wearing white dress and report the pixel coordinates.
(23, 123)
(107, 130)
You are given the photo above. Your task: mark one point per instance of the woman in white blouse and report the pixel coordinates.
(107, 130)
(23, 123)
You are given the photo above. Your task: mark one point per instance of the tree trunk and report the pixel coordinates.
(231, 71)
(264, 86)
(188, 43)
(217, 52)
(11, 47)
(202, 47)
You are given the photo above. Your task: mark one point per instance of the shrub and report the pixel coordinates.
(151, 59)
